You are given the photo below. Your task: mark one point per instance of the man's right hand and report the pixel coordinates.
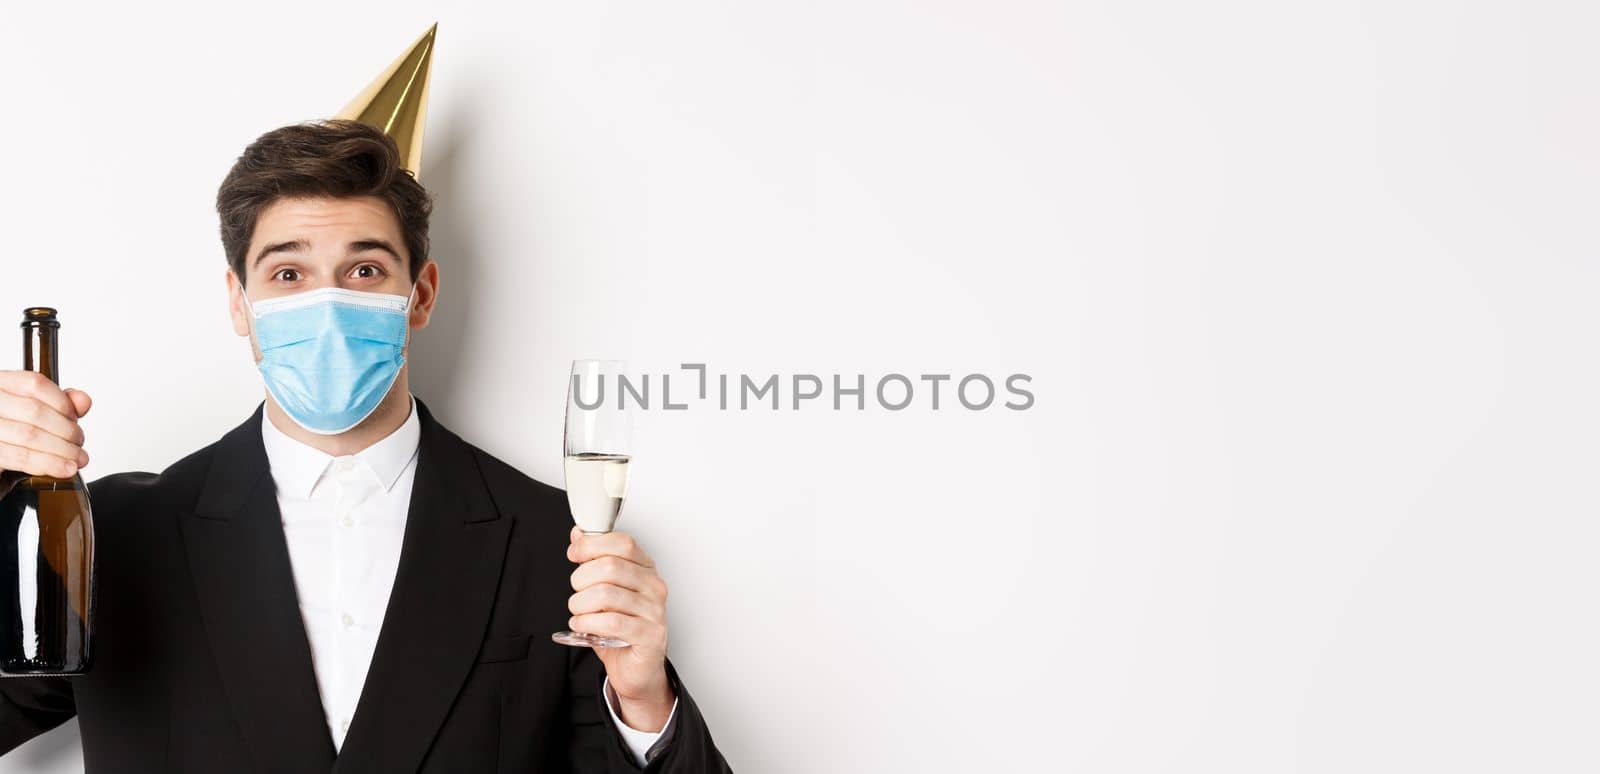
(39, 432)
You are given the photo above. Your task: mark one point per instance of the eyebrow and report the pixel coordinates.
(300, 245)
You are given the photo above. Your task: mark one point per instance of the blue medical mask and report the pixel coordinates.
(329, 355)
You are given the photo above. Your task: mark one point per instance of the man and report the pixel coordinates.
(340, 583)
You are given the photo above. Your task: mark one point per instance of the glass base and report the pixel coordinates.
(581, 640)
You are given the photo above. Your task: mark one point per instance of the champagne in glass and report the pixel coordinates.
(596, 484)
(597, 446)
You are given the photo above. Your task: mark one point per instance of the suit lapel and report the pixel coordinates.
(450, 562)
(245, 586)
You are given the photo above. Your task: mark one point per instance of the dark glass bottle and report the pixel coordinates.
(46, 548)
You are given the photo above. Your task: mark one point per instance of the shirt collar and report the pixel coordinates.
(296, 466)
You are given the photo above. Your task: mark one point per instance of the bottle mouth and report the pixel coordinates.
(35, 316)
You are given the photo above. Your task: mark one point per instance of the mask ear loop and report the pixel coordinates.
(255, 342)
(410, 299)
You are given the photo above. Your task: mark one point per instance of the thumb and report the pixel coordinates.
(80, 400)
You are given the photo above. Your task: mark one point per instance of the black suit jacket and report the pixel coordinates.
(201, 663)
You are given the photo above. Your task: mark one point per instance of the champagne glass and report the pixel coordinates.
(597, 446)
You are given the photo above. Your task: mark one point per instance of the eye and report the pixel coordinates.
(286, 275)
(368, 271)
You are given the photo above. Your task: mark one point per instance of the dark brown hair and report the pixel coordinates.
(335, 157)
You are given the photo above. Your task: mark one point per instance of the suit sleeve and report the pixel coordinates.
(597, 746)
(30, 706)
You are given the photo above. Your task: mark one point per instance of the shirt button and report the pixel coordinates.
(347, 521)
(347, 621)
(344, 725)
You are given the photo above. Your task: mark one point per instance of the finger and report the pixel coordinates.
(32, 411)
(606, 597)
(34, 463)
(635, 631)
(619, 572)
(32, 384)
(80, 400)
(609, 544)
(33, 438)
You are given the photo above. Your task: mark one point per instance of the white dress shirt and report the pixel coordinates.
(344, 520)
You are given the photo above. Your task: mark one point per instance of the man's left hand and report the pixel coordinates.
(619, 594)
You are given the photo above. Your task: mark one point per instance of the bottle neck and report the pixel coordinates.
(40, 351)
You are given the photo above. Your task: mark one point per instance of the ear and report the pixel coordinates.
(427, 294)
(236, 308)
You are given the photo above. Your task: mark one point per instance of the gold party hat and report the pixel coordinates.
(397, 101)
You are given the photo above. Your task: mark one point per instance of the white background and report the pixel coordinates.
(1306, 291)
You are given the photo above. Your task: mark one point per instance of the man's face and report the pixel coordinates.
(308, 243)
